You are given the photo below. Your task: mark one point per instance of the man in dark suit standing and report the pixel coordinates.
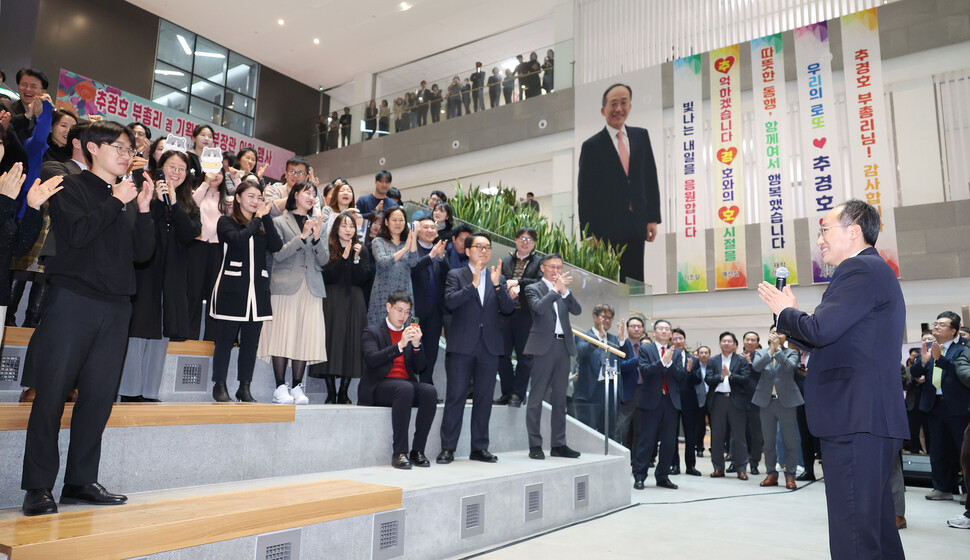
(393, 359)
(588, 388)
(494, 88)
(475, 296)
(551, 344)
(423, 98)
(688, 405)
(853, 397)
(661, 373)
(619, 195)
(727, 402)
(428, 283)
(522, 267)
(478, 87)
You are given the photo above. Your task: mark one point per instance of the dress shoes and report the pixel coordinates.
(665, 483)
(28, 395)
(937, 495)
(806, 477)
(742, 475)
(675, 469)
(692, 471)
(770, 480)
(754, 469)
(564, 451)
(39, 502)
(900, 522)
(700, 452)
(220, 393)
(445, 457)
(731, 469)
(483, 455)
(790, 482)
(418, 459)
(515, 401)
(73, 396)
(717, 474)
(504, 399)
(400, 461)
(536, 453)
(93, 494)
(243, 394)
(638, 484)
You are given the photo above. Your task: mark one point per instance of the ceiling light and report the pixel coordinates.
(280, 21)
(169, 73)
(185, 45)
(209, 54)
(316, 41)
(405, 6)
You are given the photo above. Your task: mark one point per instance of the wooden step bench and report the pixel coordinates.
(19, 336)
(14, 416)
(134, 530)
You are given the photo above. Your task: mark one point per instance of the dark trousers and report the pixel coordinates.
(858, 493)
(402, 395)
(965, 461)
(204, 262)
(35, 301)
(628, 423)
(344, 136)
(80, 342)
(809, 442)
(753, 436)
(659, 424)
(423, 115)
(701, 426)
(550, 372)
(493, 98)
(516, 332)
(917, 422)
(430, 320)
(724, 414)
(248, 332)
(436, 113)
(631, 261)
(507, 93)
(947, 440)
(461, 369)
(688, 419)
(478, 100)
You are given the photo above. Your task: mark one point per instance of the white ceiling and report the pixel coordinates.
(355, 35)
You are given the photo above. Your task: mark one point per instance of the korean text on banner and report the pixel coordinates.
(691, 176)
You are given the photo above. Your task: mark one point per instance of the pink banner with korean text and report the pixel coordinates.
(821, 171)
(89, 97)
(871, 168)
(772, 128)
(691, 175)
(729, 250)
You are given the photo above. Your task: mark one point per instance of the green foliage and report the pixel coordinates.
(498, 213)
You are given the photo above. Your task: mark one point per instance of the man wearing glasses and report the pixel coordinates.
(297, 169)
(522, 266)
(475, 295)
(32, 87)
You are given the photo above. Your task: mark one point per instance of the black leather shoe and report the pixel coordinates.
(536, 453)
(483, 455)
(39, 502)
(515, 401)
(446, 456)
(731, 469)
(754, 469)
(693, 472)
(220, 393)
(638, 485)
(93, 494)
(125, 398)
(504, 399)
(666, 484)
(400, 461)
(564, 451)
(243, 394)
(806, 477)
(700, 452)
(675, 469)
(418, 459)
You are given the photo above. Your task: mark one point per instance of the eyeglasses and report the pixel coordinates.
(406, 311)
(173, 169)
(552, 266)
(124, 150)
(29, 87)
(525, 239)
(942, 325)
(295, 172)
(822, 230)
(482, 247)
(606, 317)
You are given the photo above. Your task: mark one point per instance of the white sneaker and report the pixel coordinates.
(962, 522)
(297, 396)
(282, 395)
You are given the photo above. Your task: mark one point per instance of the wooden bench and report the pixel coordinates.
(14, 416)
(134, 530)
(19, 336)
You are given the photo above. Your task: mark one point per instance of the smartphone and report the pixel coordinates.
(413, 321)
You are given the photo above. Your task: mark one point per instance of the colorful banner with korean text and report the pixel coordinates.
(871, 169)
(772, 129)
(691, 175)
(89, 97)
(821, 173)
(729, 254)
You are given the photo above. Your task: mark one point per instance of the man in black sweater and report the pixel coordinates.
(102, 227)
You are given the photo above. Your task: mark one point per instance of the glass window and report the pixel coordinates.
(239, 123)
(206, 111)
(165, 95)
(242, 75)
(240, 103)
(208, 91)
(172, 76)
(175, 45)
(210, 61)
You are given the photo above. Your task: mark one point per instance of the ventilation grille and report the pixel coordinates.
(581, 491)
(279, 552)
(192, 373)
(533, 501)
(472, 516)
(284, 545)
(9, 368)
(388, 535)
(388, 539)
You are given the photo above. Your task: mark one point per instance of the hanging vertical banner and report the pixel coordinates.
(691, 176)
(870, 164)
(821, 176)
(772, 128)
(729, 258)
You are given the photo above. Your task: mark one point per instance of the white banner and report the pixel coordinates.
(691, 175)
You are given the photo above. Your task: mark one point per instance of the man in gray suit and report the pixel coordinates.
(550, 344)
(778, 399)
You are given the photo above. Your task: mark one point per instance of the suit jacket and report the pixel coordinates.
(854, 335)
(473, 322)
(589, 358)
(298, 260)
(420, 280)
(740, 374)
(776, 371)
(955, 367)
(241, 291)
(689, 383)
(543, 331)
(615, 206)
(629, 370)
(379, 355)
(654, 373)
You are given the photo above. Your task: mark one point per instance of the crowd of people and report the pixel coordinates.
(460, 96)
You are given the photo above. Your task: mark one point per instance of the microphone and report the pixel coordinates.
(160, 176)
(781, 279)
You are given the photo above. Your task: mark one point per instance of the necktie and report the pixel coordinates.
(624, 152)
(666, 389)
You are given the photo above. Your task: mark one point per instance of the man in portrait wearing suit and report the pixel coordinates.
(619, 195)
(428, 283)
(393, 359)
(475, 296)
(727, 376)
(521, 265)
(853, 399)
(777, 398)
(687, 390)
(661, 373)
(551, 344)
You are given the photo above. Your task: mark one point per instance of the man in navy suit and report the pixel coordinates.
(659, 404)
(727, 402)
(428, 283)
(475, 296)
(853, 399)
(588, 388)
(944, 400)
(689, 405)
(618, 191)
